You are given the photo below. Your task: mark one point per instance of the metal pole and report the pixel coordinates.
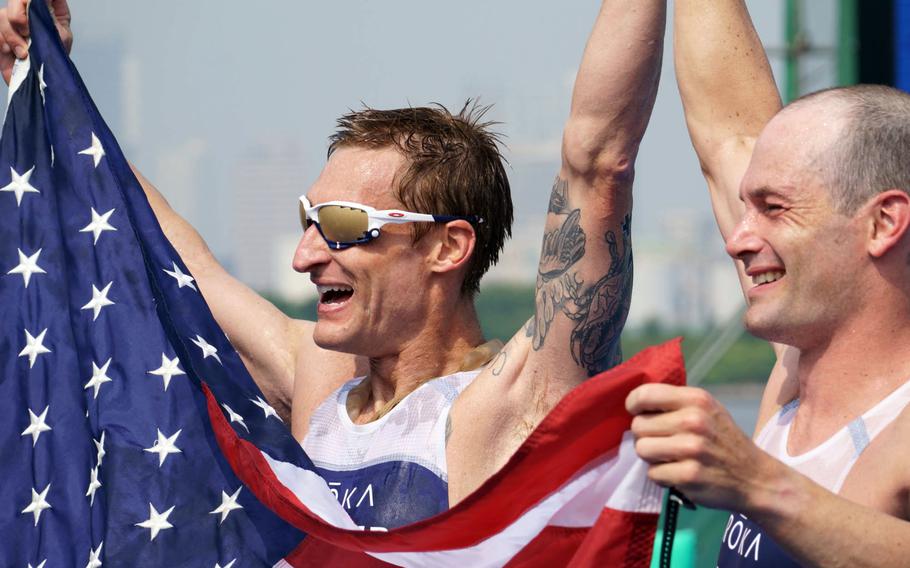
(793, 33)
(848, 44)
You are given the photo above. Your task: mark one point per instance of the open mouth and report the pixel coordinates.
(767, 277)
(335, 294)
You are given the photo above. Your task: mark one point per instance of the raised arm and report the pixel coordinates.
(271, 344)
(728, 93)
(585, 275)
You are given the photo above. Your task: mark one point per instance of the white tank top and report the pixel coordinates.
(829, 463)
(391, 471)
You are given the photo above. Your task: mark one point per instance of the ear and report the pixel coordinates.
(454, 247)
(890, 216)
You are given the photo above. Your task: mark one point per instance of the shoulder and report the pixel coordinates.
(881, 477)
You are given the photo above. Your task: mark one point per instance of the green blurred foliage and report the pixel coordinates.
(748, 360)
(504, 308)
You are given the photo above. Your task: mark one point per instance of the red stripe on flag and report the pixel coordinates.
(621, 539)
(554, 546)
(587, 423)
(314, 553)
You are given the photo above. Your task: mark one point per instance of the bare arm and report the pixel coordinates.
(844, 533)
(269, 342)
(585, 274)
(728, 93)
(692, 444)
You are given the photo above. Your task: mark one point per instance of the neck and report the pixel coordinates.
(447, 337)
(855, 367)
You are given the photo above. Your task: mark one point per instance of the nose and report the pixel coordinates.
(312, 251)
(744, 241)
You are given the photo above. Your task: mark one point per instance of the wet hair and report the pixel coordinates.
(871, 154)
(453, 167)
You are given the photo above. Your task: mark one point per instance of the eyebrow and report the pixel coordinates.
(762, 192)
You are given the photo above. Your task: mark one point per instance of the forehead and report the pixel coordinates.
(364, 175)
(793, 149)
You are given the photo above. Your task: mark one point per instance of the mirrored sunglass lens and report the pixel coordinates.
(343, 224)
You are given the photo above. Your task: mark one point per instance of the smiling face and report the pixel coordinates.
(805, 259)
(372, 297)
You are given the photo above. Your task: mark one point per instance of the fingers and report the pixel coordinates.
(60, 10)
(62, 19)
(665, 398)
(688, 419)
(14, 29)
(665, 449)
(685, 475)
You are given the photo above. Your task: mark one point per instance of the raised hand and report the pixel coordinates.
(14, 31)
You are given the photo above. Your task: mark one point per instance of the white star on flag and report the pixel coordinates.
(207, 349)
(157, 522)
(228, 504)
(99, 224)
(94, 557)
(27, 266)
(34, 346)
(43, 562)
(235, 417)
(41, 84)
(20, 185)
(99, 445)
(228, 565)
(95, 150)
(99, 300)
(99, 377)
(37, 425)
(168, 369)
(93, 485)
(266, 408)
(181, 278)
(164, 446)
(38, 504)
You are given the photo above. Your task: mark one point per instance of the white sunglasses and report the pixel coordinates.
(344, 224)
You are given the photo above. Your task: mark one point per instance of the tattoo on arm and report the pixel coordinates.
(558, 196)
(595, 341)
(598, 310)
(557, 284)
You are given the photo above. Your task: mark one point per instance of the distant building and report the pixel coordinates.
(684, 279)
(266, 183)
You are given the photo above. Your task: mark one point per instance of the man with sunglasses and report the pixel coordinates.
(410, 210)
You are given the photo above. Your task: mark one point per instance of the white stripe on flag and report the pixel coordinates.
(618, 482)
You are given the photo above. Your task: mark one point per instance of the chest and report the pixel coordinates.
(391, 471)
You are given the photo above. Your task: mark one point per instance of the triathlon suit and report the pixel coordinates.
(392, 471)
(828, 464)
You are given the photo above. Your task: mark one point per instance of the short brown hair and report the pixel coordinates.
(454, 167)
(871, 154)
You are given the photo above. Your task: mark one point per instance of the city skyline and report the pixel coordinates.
(194, 93)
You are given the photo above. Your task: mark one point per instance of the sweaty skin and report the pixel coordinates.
(399, 336)
(800, 263)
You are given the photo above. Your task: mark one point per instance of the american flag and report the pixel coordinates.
(108, 455)
(125, 411)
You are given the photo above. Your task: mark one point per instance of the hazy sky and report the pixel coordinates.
(230, 75)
